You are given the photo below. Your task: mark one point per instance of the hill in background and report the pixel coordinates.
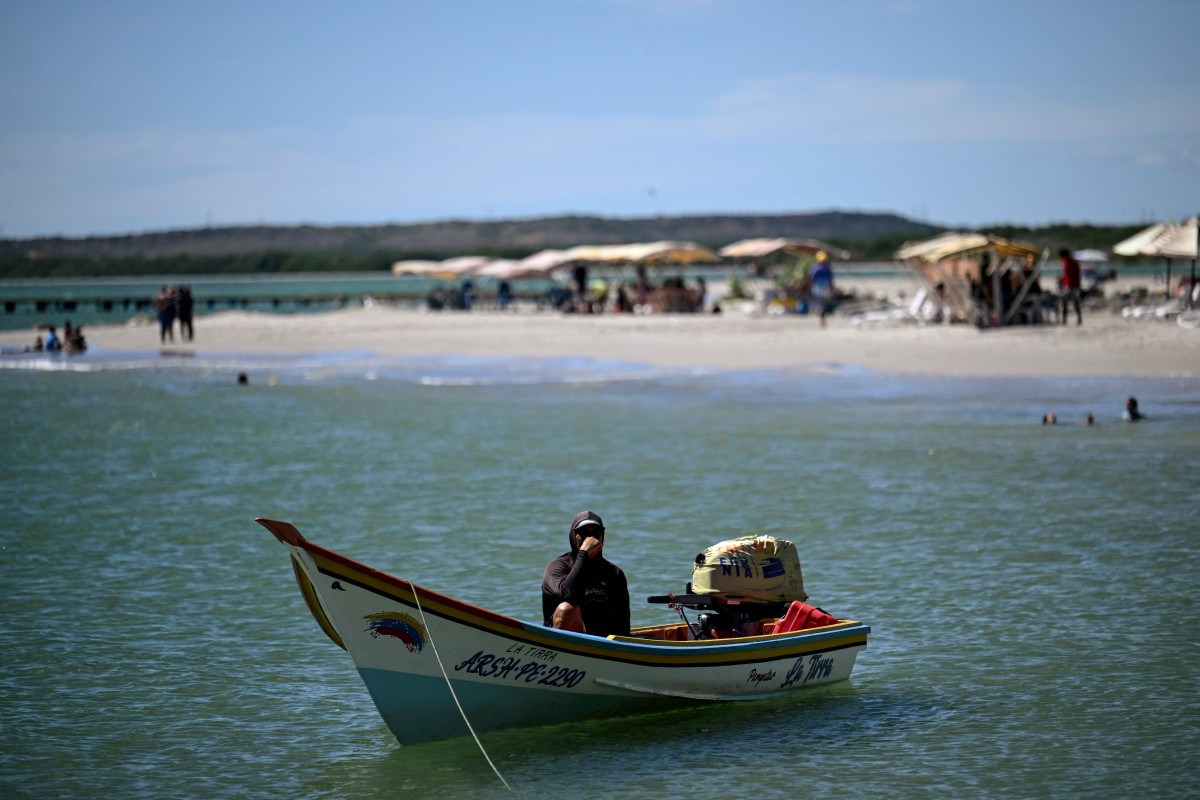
(310, 248)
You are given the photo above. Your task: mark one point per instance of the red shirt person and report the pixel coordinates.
(1071, 282)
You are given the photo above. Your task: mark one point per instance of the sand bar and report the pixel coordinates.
(1106, 344)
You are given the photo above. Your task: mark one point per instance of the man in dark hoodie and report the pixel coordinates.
(581, 590)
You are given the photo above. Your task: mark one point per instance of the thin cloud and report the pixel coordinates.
(871, 109)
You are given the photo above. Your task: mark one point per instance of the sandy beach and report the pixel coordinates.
(1106, 344)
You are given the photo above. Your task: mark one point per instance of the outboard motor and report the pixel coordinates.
(762, 569)
(738, 581)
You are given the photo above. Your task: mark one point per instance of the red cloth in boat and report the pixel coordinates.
(801, 616)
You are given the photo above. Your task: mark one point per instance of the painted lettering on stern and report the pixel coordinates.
(757, 677)
(818, 667)
(507, 667)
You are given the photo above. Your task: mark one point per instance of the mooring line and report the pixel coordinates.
(450, 686)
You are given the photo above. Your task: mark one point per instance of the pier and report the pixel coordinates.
(48, 308)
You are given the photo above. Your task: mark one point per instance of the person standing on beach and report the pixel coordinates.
(183, 306)
(643, 292)
(164, 305)
(700, 294)
(467, 290)
(581, 590)
(821, 279)
(1071, 281)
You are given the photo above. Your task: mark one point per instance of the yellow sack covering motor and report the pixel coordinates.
(760, 569)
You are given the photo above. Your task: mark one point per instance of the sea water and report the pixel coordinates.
(1031, 590)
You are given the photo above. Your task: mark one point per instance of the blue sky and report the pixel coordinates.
(124, 117)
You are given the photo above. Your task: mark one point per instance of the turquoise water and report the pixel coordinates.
(1031, 590)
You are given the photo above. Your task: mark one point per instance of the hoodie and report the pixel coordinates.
(596, 585)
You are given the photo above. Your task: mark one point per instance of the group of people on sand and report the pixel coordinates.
(71, 341)
(1036, 305)
(171, 304)
(639, 296)
(1130, 414)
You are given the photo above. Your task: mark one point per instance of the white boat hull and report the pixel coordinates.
(412, 645)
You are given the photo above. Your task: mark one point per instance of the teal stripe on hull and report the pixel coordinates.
(419, 709)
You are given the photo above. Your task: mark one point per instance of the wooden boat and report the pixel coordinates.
(430, 661)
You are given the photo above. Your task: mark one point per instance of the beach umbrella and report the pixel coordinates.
(761, 248)
(1182, 242)
(1162, 240)
(416, 268)
(511, 270)
(593, 253)
(464, 265)
(752, 248)
(678, 253)
(1142, 244)
(448, 270)
(1137, 244)
(964, 245)
(947, 245)
(545, 262)
(659, 253)
(649, 253)
(813, 246)
(1091, 256)
(499, 268)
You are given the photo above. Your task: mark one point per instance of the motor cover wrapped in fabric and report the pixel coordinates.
(761, 569)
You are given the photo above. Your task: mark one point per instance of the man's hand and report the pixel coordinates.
(592, 546)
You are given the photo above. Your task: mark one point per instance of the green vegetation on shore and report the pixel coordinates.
(306, 248)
